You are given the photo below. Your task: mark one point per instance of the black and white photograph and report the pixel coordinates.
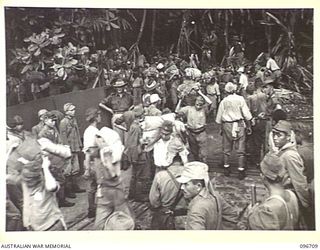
(159, 119)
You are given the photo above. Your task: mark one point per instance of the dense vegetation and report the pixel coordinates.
(57, 41)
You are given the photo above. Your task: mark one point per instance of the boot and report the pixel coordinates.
(66, 203)
(241, 167)
(226, 170)
(62, 202)
(91, 205)
(75, 187)
(241, 175)
(68, 188)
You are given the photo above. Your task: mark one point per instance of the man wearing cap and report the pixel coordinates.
(16, 135)
(164, 193)
(152, 109)
(37, 128)
(234, 115)
(90, 149)
(188, 90)
(294, 178)
(70, 135)
(243, 81)
(206, 208)
(196, 126)
(40, 208)
(15, 132)
(304, 138)
(50, 132)
(110, 196)
(116, 104)
(280, 210)
(134, 154)
(167, 146)
(257, 104)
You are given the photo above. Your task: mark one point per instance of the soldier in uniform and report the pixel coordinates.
(207, 210)
(280, 211)
(294, 178)
(70, 135)
(37, 128)
(50, 132)
(110, 196)
(116, 104)
(90, 149)
(196, 126)
(164, 193)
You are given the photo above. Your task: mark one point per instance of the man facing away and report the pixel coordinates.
(234, 115)
(280, 211)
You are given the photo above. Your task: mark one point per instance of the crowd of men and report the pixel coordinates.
(160, 113)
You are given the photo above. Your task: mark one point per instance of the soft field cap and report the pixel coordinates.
(41, 112)
(68, 106)
(271, 166)
(283, 126)
(119, 221)
(194, 170)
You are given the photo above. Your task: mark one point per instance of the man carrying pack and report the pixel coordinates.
(280, 211)
(294, 178)
(90, 149)
(166, 198)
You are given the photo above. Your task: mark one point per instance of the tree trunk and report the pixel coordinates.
(154, 16)
(141, 26)
(180, 36)
(226, 31)
(267, 30)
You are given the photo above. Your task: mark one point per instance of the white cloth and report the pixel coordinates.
(272, 65)
(233, 108)
(160, 151)
(243, 81)
(113, 143)
(89, 137)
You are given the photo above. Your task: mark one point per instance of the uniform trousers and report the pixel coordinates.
(229, 143)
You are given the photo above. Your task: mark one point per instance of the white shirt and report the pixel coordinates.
(89, 137)
(233, 108)
(272, 65)
(243, 81)
(160, 150)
